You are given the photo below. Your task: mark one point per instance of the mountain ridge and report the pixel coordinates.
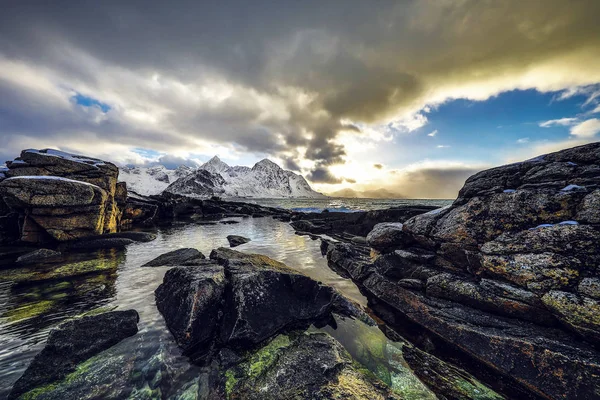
(264, 179)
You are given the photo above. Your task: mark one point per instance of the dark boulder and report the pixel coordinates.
(72, 343)
(235, 240)
(241, 302)
(39, 255)
(190, 300)
(186, 256)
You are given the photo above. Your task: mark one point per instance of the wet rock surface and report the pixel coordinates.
(37, 256)
(303, 366)
(73, 342)
(240, 300)
(185, 256)
(507, 274)
(236, 240)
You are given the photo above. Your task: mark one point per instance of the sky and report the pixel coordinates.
(412, 96)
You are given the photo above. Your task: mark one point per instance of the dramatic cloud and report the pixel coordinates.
(285, 80)
(586, 129)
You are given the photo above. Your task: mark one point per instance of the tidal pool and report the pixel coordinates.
(149, 365)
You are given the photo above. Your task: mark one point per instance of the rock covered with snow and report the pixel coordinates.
(264, 180)
(62, 196)
(152, 180)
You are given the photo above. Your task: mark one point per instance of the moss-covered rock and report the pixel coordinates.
(303, 366)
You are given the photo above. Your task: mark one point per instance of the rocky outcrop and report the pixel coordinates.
(351, 224)
(72, 343)
(236, 240)
(508, 274)
(240, 301)
(61, 196)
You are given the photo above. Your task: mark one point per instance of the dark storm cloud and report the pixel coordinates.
(275, 78)
(322, 175)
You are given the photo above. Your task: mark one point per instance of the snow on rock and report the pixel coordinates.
(151, 180)
(264, 180)
(571, 188)
(64, 155)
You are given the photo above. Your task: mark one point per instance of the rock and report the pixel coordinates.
(510, 272)
(303, 366)
(359, 240)
(268, 297)
(235, 240)
(355, 223)
(61, 196)
(73, 342)
(135, 236)
(190, 301)
(580, 313)
(39, 255)
(242, 302)
(103, 243)
(184, 256)
(229, 222)
(387, 235)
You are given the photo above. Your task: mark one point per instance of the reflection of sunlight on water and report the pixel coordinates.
(123, 283)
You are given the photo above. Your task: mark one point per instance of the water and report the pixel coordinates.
(150, 363)
(345, 204)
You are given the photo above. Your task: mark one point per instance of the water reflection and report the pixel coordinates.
(149, 364)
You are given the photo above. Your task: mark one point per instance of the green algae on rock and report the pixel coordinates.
(303, 365)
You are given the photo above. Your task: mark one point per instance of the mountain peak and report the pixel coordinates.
(215, 165)
(266, 163)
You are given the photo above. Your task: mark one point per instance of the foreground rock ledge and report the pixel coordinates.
(73, 342)
(240, 301)
(508, 274)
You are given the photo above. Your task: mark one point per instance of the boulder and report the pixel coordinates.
(190, 301)
(102, 243)
(61, 196)
(235, 240)
(72, 343)
(303, 366)
(240, 300)
(387, 235)
(184, 256)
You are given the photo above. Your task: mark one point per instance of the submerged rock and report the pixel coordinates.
(303, 366)
(103, 243)
(72, 343)
(39, 255)
(186, 256)
(235, 240)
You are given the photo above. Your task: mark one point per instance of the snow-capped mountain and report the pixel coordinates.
(264, 180)
(151, 180)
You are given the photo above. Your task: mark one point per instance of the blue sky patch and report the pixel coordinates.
(87, 101)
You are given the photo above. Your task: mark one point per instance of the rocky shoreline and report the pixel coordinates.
(498, 293)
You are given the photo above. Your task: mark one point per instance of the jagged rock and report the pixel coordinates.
(73, 342)
(242, 302)
(235, 240)
(514, 273)
(61, 196)
(303, 366)
(39, 255)
(387, 235)
(190, 301)
(184, 256)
